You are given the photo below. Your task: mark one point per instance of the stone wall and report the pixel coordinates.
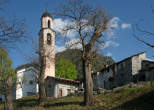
(137, 63)
(115, 75)
(123, 73)
(47, 50)
(120, 73)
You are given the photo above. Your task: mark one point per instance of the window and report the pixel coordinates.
(68, 91)
(31, 82)
(48, 38)
(49, 23)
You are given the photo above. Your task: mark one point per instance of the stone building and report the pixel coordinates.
(134, 68)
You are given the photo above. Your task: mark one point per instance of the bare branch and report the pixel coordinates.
(12, 32)
(144, 31)
(146, 43)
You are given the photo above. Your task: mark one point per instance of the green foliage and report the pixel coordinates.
(65, 69)
(74, 55)
(5, 68)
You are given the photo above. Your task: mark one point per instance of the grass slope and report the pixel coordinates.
(139, 98)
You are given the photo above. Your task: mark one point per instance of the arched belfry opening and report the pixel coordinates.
(49, 39)
(49, 24)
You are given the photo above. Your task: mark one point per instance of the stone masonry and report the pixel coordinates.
(131, 69)
(47, 45)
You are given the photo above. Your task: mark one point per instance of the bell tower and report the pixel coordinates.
(47, 45)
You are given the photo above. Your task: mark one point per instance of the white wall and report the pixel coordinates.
(56, 85)
(27, 76)
(64, 89)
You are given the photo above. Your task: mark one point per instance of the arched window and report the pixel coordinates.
(48, 38)
(49, 23)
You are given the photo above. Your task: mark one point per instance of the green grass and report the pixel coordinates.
(140, 98)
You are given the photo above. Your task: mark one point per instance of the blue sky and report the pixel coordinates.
(121, 45)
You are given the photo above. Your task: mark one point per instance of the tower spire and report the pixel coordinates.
(46, 5)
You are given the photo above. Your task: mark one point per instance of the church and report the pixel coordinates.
(27, 75)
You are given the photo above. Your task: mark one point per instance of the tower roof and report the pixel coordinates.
(46, 14)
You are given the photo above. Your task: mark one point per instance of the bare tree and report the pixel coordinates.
(39, 64)
(12, 32)
(142, 34)
(89, 24)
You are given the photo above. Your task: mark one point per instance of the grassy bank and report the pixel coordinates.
(135, 98)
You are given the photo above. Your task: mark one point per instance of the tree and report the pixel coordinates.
(11, 30)
(89, 24)
(74, 55)
(65, 69)
(7, 74)
(140, 33)
(42, 92)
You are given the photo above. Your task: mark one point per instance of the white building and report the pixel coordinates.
(27, 83)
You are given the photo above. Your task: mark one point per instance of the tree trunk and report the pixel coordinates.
(8, 94)
(42, 92)
(88, 83)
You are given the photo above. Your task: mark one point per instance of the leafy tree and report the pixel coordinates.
(7, 74)
(74, 55)
(65, 69)
(89, 24)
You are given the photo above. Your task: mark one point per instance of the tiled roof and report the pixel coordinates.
(46, 14)
(63, 80)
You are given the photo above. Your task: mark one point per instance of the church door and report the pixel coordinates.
(60, 93)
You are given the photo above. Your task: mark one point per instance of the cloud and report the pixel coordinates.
(110, 44)
(74, 44)
(109, 54)
(59, 25)
(113, 24)
(125, 25)
(59, 48)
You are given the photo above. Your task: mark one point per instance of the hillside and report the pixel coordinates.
(140, 97)
(75, 56)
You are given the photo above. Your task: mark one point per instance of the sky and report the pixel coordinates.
(120, 42)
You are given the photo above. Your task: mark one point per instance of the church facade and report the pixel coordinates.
(27, 75)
